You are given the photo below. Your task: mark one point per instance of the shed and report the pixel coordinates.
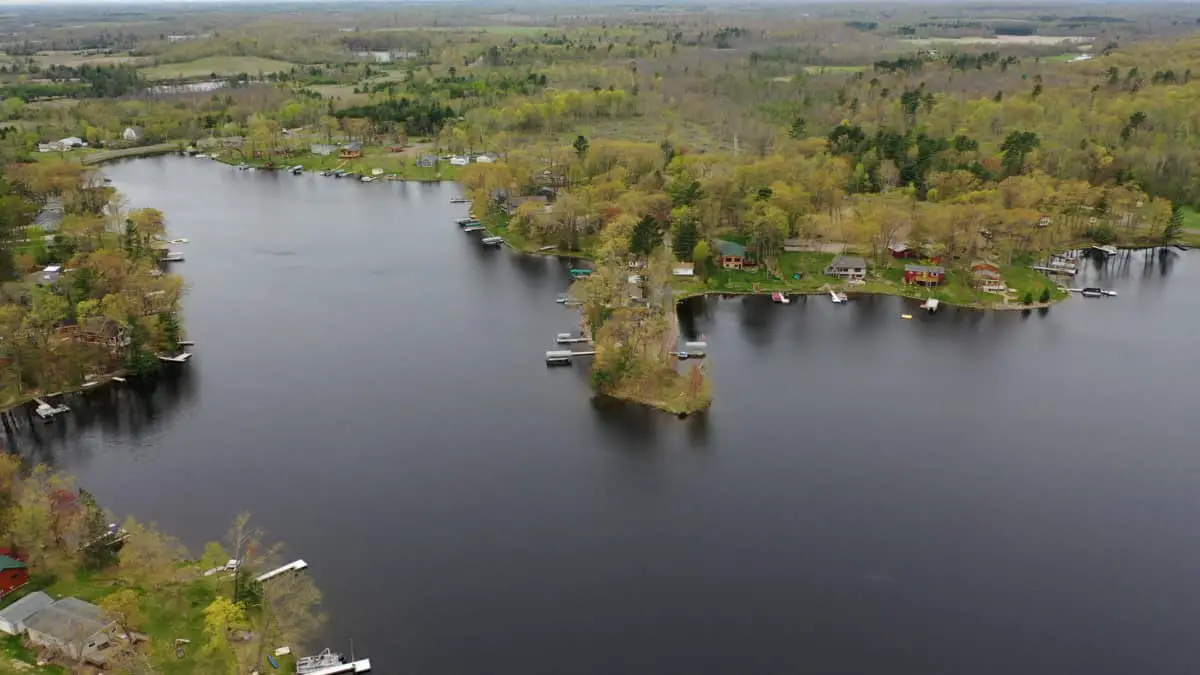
(12, 618)
(847, 267)
(427, 161)
(71, 627)
(683, 269)
(13, 574)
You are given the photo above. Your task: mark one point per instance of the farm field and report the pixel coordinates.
(219, 65)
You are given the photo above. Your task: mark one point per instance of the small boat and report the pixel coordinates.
(464, 222)
(492, 241)
(930, 305)
(780, 298)
(1091, 292)
(1108, 292)
(186, 343)
(366, 179)
(460, 200)
(562, 299)
(327, 172)
(547, 248)
(178, 241)
(682, 356)
(172, 256)
(473, 228)
(181, 357)
(837, 297)
(296, 170)
(906, 316)
(580, 273)
(271, 660)
(339, 174)
(244, 167)
(202, 156)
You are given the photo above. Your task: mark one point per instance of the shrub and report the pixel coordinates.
(1046, 294)
(1028, 299)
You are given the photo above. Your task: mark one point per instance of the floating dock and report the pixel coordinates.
(46, 411)
(178, 358)
(172, 256)
(294, 566)
(930, 305)
(463, 222)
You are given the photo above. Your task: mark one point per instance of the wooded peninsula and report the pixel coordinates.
(936, 152)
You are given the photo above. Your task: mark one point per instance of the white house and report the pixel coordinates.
(131, 134)
(485, 158)
(459, 160)
(72, 142)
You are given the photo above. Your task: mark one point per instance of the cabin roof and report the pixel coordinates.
(927, 269)
(852, 261)
(730, 247)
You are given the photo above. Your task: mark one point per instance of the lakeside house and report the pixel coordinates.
(847, 267)
(924, 275)
(902, 251)
(427, 161)
(351, 151)
(13, 617)
(73, 628)
(13, 574)
(64, 145)
(731, 255)
(684, 269)
(987, 278)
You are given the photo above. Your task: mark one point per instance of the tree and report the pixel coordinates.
(1174, 227)
(126, 605)
(288, 613)
(799, 128)
(221, 618)
(1016, 146)
(148, 557)
(581, 146)
(701, 257)
(647, 235)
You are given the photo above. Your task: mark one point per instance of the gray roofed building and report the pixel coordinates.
(71, 627)
(51, 215)
(12, 618)
(427, 161)
(847, 267)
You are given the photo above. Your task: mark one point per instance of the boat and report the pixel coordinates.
(244, 167)
(562, 299)
(296, 170)
(838, 298)
(492, 241)
(271, 660)
(376, 172)
(366, 179)
(178, 241)
(780, 298)
(930, 305)
(1108, 292)
(580, 273)
(327, 172)
(202, 156)
(46, 411)
(544, 249)
(1091, 292)
(906, 316)
(172, 256)
(460, 200)
(464, 222)
(473, 228)
(181, 357)
(311, 664)
(1183, 247)
(339, 174)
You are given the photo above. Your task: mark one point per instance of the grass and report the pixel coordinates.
(215, 65)
(819, 70)
(1191, 218)
(15, 657)
(74, 60)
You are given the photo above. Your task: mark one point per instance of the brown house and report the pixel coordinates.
(351, 151)
(987, 278)
(730, 255)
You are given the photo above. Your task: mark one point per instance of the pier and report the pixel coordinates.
(568, 339)
(562, 357)
(294, 566)
(46, 411)
(359, 666)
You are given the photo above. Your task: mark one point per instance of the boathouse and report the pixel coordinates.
(731, 255)
(847, 267)
(924, 275)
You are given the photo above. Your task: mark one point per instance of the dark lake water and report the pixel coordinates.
(963, 493)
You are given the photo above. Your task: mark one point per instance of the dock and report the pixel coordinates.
(1069, 271)
(463, 222)
(359, 666)
(562, 357)
(178, 358)
(172, 256)
(492, 241)
(46, 411)
(294, 566)
(569, 339)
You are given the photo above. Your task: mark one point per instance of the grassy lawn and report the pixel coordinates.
(823, 70)
(1191, 218)
(15, 657)
(219, 65)
(74, 60)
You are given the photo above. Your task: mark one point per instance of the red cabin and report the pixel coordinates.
(13, 574)
(924, 275)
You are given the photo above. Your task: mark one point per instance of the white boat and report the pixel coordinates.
(1109, 292)
(311, 664)
(930, 305)
(202, 156)
(838, 298)
(182, 357)
(367, 179)
(376, 172)
(492, 241)
(1092, 293)
(460, 200)
(178, 241)
(780, 298)
(172, 256)
(297, 170)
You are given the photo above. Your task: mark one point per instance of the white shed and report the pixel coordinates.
(12, 618)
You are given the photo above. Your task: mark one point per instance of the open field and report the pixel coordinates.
(75, 60)
(343, 94)
(1191, 219)
(215, 65)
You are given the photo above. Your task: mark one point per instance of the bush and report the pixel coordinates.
(1028, 299)
(1046, 294)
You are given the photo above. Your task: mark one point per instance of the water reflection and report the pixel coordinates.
(130, 413)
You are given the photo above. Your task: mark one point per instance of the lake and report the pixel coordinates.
(966, 492)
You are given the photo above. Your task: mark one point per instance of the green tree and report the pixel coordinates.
(581, 146)
(702, 257)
